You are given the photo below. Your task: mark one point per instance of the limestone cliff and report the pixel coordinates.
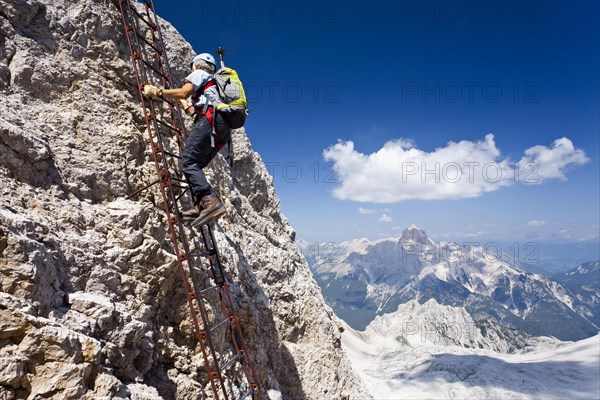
(91, 305)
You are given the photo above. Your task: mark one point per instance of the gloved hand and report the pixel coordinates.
(151, 91)
(184, 106)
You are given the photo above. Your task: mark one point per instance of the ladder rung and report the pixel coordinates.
(220, 324)
(207, 252)
(224, 367)
(140, 16)
(201, 271)
(201, 254)
(172, 155)
(153, 68)
(163, 123)
(208, 289)
(178, 179)
(148, 42)
(182, 194)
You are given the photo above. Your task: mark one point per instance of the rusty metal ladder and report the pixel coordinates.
(201, 271)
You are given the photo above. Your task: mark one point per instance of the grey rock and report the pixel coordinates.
(91, 303)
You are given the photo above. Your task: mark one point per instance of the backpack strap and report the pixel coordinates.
(205, 107)
(210, 83)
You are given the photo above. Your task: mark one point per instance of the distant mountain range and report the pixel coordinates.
(584, 283)
(361, 279)
(549, 258)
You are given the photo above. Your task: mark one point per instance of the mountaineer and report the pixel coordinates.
(209, 134)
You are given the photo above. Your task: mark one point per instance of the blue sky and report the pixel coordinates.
(417, 75)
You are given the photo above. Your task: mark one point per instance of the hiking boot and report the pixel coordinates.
(211, 208)
(190, 214)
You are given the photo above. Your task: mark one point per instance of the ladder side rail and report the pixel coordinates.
(141, 74)
(156, 150)
(249, 372)
(131, 27)
(206, 334)
(187, 286)
(159, 55)
(176, 115)
(170, 200)
(213, 259)
(228, 309)
(214, 374)
(153, 104)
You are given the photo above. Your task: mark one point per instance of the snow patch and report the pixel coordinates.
(393, 369)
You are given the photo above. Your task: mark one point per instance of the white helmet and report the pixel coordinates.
(207, 57)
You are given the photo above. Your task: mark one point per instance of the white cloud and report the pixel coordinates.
(536, 222)
(399, 171)
(385, 218)
(540, 162)
(366, 211)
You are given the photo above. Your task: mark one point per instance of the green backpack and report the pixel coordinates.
(233, 106)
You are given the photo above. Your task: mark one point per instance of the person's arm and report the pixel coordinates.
(180, 93)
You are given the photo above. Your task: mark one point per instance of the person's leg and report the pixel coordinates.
(211, 207)
(196, 155)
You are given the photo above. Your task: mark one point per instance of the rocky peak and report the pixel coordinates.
(414, 234)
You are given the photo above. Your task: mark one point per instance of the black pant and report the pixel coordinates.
(198, 152)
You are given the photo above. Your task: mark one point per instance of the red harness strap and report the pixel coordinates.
(208, 112)
(201, 109)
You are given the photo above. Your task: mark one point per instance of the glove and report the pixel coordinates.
(151, 91)
(183, 104)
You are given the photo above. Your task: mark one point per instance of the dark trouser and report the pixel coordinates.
(198, 152)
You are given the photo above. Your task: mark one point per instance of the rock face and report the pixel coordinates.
(91, 305)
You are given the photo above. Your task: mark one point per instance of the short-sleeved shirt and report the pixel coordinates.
(199, 78)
